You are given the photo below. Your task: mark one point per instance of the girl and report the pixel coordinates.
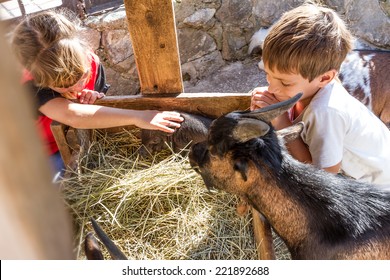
(65, 78)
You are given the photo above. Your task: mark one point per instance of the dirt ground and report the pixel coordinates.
(236, 77)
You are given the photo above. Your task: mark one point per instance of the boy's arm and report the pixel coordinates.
(297, 148)
(333, 169)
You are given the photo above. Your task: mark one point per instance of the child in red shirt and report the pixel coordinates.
(66, 78)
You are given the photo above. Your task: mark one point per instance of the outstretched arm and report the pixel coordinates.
(88, 116)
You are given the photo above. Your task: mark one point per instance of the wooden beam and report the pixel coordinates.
(153, 35)
(209, 104)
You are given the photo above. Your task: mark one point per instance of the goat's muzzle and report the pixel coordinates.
(199, 158)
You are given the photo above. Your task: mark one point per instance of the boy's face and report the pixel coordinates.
(285, 86)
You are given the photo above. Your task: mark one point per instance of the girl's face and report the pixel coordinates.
(285, 86)
(72, 91)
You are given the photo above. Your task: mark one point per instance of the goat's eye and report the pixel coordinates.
(156, 141)
(212, 151)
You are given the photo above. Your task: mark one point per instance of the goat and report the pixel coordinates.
(319, 215)
(193, 130)
(363, 73)
(92, 248)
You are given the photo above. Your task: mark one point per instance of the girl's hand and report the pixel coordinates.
(261, 98)
(164, 121)
(87, 96)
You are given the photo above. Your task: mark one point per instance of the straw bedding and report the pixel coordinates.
(156, 208)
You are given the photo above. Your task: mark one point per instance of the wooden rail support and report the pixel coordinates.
(263, 236)
(59, 131)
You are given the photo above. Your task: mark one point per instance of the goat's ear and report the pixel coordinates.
(115, 252)
(241, 165)
(247, 129)
(291, 133)
(272, 111)
(92, 248)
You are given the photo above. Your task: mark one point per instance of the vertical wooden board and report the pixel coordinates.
(58, 130)
(153, 34)
(263, 236)
(34, 221)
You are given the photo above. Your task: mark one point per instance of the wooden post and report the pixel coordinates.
(153, 35)
(33, 220)
(59, 132)
(263, 236)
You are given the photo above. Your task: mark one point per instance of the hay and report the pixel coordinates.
(154, 209)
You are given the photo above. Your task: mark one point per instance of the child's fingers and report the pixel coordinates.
(173, 116)
(89, 96)
(262, 99)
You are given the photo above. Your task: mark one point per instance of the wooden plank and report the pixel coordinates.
(33, 220)
(153, 35)
(263, 236)
(209, 104)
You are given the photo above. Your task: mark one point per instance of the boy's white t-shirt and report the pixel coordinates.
(337, 127)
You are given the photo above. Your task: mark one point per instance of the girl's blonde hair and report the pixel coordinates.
(46, 44)
(309, 40)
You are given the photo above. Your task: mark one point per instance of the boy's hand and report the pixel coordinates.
(87, 96)
(261, 98)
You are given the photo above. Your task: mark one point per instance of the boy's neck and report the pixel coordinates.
(301, 105)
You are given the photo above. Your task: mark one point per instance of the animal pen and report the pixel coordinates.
(153, 35)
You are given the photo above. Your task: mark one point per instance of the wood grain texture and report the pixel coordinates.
(153, 35)
(208, 104)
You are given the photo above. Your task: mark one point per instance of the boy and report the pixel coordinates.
(303, 53)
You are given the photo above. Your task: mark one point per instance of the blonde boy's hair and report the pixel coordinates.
(308, 40)
(46, 44)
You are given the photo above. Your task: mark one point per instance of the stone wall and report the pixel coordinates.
(215, 33)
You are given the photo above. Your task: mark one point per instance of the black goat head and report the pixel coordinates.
(237, 143)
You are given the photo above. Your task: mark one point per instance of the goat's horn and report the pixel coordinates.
(247, 129)
(272, 111)
(115, 252)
